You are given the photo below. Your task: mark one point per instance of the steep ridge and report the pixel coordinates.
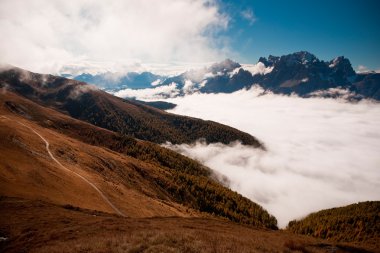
(131, 118)
(140, 178)
(358, 223)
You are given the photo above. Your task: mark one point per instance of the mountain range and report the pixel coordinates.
(109, 80)
(301, 73)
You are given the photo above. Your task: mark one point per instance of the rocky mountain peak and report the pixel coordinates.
(306, 57)
(298, 58)
(270, 61)
(302, 57)
(342, 65)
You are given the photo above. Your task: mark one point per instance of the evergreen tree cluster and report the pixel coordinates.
(353, 223)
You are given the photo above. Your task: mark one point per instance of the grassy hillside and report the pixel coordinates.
(37, 226)
(131, 118)
(353, 223)
(154, 171)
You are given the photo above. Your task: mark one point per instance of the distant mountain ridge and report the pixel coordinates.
(110, 81)
(301, 73)
(128, 117)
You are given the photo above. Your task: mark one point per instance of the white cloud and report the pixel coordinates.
(45, 35)
(365, 69)
(156, 82)
(101, 67)
(203, 84)
(362, 69)
(189, 87)
(249, 16)
(334, 92)
(258, 68)
(165, 91)
(79, 90)
(208, 75)
(321, 153)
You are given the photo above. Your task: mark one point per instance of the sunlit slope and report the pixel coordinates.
(359, 223)
(140, 178)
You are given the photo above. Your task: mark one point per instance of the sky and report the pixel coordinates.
(56, 36)
(326, 28)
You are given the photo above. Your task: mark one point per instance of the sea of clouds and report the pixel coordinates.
(321, 152)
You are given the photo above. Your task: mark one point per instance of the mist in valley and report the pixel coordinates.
(321, 153)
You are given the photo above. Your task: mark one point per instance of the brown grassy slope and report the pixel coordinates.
(27, 171)
(82, 101)
(36, 226)
(159, 173)
(359, 223)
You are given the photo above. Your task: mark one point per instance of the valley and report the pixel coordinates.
(93, 187)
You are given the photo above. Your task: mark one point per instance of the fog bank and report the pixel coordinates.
(321, 153)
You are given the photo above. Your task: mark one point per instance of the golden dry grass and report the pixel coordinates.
(140, 178)
(36, 226)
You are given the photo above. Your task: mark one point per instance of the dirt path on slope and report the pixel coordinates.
(75, 173)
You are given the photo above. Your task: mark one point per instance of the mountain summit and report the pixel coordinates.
(303, 73)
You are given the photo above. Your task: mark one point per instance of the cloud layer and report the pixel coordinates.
(45, 35)
(322, 153)
(160, 92)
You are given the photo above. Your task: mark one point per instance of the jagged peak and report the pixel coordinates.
(343, 64)
(339, 60)
(303, 57)
(305, 54)
(270, 61)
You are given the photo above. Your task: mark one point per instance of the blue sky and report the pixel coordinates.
(170, 36)
(325, 28)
